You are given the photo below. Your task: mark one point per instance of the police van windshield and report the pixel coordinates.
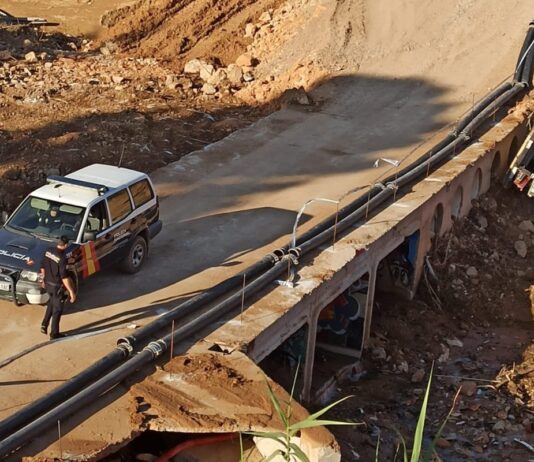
(47, 219)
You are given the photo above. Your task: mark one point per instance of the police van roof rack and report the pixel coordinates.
(100, 188)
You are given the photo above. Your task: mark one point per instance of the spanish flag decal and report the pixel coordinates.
(90, 263)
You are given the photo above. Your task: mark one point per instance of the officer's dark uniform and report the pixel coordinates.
(55, 269)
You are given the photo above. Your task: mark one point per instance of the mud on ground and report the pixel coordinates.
(474, 323)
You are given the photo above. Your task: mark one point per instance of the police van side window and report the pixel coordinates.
(119, 206)
(97, 220)
(141, 192)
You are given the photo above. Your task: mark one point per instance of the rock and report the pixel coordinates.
(5, 55)
(418, 376)
(250, 30)
(105, 51)
(48, 66)
(193, 66)
(217, 77)
(444, 357)
(31, 57)
(234, 73)
(27, 43)
(468, 387)
(295, 96)
(379, 353)
(117, 79)
(245, 60)
(206, 71)
(403, 367)
(171, 82)
(265, 17)
(52, 172)
(482, 222)
(527, 225)
(521, 248)
(499, 427)
(454, 342)
(208, 89)
(472, 272)
(443, 443)
(185, 83)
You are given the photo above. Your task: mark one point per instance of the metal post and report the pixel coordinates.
(243, 296)
(369, 306)
(310, 358)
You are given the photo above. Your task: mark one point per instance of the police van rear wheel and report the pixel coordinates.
(136, 256)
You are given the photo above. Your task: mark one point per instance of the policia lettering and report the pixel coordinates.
(56, 281)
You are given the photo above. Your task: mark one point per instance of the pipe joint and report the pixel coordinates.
(125, 347)
(127, 342)
(276, 255)
(293, 255)
(379, 185)
(156, 348)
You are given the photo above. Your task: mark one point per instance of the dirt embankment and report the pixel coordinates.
(474, 323)
(183, 30)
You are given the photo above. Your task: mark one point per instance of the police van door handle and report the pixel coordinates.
(107, 236)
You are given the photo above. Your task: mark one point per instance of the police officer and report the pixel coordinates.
(56, 279)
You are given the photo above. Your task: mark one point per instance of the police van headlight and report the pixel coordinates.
(29, 275)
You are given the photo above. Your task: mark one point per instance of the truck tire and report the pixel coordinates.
(136, 256)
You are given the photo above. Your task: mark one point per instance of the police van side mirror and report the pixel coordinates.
(3, 217)
(89, 236)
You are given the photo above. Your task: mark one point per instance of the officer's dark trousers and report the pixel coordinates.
(54, 310)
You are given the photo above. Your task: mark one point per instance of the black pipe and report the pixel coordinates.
(520, 60)
(357, 203)
(323, 231)
(199, 300)
(378, 199)
(135, 363)
(490, 109)
(526, 75)
(125, 347)
(66, 389)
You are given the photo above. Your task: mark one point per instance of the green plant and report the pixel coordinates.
(417, 453)
(290, 451)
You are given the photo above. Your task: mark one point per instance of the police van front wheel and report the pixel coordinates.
(136, 256)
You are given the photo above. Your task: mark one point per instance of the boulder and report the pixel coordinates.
(206, 71)
(208, 89)
(193, 66)
(234, 73)
(521, 248)
(527, 225)
(217, 77)
(31, 57)
(266, 17)
(250, 30)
